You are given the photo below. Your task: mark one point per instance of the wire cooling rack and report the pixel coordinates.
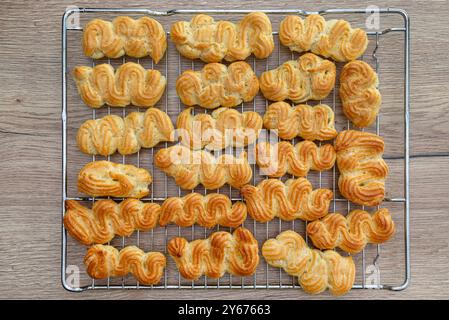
(384, 266)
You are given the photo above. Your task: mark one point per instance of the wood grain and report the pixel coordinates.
(30, 141)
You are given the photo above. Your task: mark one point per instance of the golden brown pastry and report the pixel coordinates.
(307, 122)
(353, 232)
(360, 97)
(105, 178)
(129, 84)
(316, 270)
(213, 41)
(191, 168)
(224, 127)
(295, 199)
(308, 78)
(124, 36)
(275, 160)
(105, 261)
(362, 169)
(126, 135)
(334, 39)
(237, 254)
(218, 85)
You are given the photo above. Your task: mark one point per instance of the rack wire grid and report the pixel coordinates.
(388, 53)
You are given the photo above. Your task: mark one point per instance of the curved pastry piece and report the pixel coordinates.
(334, 39)
(108, 218)
(103, 261)
(105, 178)
(275, 160)
(295, 199)
(307, 122)
(308, 78)
(129, 84)
(223, 128)
(353, 232)
(316, 270)
(124, 36)
(237, 254)
(218, 85)
(213, 41)
(191, 168)
(360, 97)
(362, 169)
(126, 135)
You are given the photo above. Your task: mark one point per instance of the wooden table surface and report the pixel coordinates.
(30, 135)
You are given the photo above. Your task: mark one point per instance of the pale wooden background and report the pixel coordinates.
(30, 136)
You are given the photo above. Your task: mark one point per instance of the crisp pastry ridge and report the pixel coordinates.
(360, 97)
(218, 85)
(294, 199)
(124, 36)
(103, 261)
(127, 135)
(334, 39)
(129, 84)
(191, 168)
(236, 253)
(277, 159)
(308, 78)
(105, 178)
(213, 41)
(353, 232)
(307, 122)
(223, 128)
(362, 168)
(316, 270)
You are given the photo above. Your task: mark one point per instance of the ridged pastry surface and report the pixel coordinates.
(308, 122)
(360, 97)
(294, 199)
(218, 85)
(105, 178)
(316, 270)
(191, 168)
(213, 41)
(334, 39)
(353, 232)
(124, 36)
(104, 261)
(362, 168)
(129, 84)
(127, 135)
(308, 78)
(222, 128)
(222, 252)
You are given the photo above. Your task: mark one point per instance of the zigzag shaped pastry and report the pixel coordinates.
(295, 199)
(307, 122)
(362, 169)
(316, 270)
(308, 78)
(213, 41)
(275, 160)
(224, 127)
(334, 39)
(105, 178)
(191, 168)
(129, 84)
(218, 85)
(124, 36)
(353, 232)
(237, 254)
(105, 261)
(126, 135)
(360, 97)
